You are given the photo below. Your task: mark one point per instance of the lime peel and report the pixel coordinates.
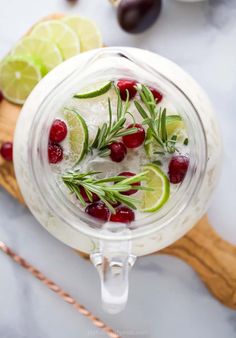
(159, 182)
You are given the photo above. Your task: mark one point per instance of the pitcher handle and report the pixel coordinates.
(113, 262)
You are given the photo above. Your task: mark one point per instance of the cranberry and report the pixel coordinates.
(131, 191)
(124, 85)
(55, 153)
(134, 140)
(1, 96)
(6, 151)
(157, 95)
(123, 215)
(58, 131)
(178, 167)
(95, 197)
(118, 151)
(98, 210)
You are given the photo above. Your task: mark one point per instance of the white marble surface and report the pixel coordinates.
(167, 299)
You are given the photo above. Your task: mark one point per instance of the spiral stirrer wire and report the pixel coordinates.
(61, 293)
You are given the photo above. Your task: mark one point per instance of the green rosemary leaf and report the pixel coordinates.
(127, 103)
(102, 135)
(126, 132)
(186, 142)
(157, 162)
(104, 152)
(110, 114)
(163, 126)
(107, 192)
(159, 152)
(140, 109)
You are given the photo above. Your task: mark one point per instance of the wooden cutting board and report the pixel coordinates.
(210, 256)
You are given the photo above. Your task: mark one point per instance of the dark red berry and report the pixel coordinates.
(95, 197)
(6, 151)
(1, 96)
(134, 140)
(131, 191)
(118, 151)
(123, 215)
(98, 210)
(135, 16)
(124, 85)
(157, 95)
(58, 131)
(178, 167)
(55, 153)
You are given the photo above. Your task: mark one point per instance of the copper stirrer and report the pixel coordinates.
(61, 293)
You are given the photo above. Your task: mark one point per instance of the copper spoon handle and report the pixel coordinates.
(60, 292)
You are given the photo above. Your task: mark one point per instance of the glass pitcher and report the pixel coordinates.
(114, 249)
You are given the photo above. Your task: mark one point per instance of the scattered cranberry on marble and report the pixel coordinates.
(6, 151)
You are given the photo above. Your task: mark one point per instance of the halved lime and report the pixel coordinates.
(158, 181)
(78, 135)
(41, 50)
(87, 31)
(60, 34)
(94, 91)
(174, 126)
(18, 76)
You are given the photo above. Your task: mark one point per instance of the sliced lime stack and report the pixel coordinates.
(158, 181)
(86, 30)
(60, 34)
(41, 50)
(18, 76)
(94, 91)
(174, 126)
(78, 135)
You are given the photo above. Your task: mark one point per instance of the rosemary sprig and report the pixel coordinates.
(155, 118)
(113, 129)
(107, 192)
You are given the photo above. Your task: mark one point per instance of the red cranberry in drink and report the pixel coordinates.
(118, 151)
(125, 85)
(98, 210)
(123, 215)
(6, 151)
(131, 191)
(134, 140)
(178, 167)
(55, 153)
(95, 197)
(58, 131)
(1, 96)
(157, 95)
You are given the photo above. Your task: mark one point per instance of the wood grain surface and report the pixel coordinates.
(210, 256)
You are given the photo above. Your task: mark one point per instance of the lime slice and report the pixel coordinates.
(174, 126)
(87, 31)
(158, 181)
(18, 76)
(60, 34)
(78, 135)
(41, 50)
(94, 91)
